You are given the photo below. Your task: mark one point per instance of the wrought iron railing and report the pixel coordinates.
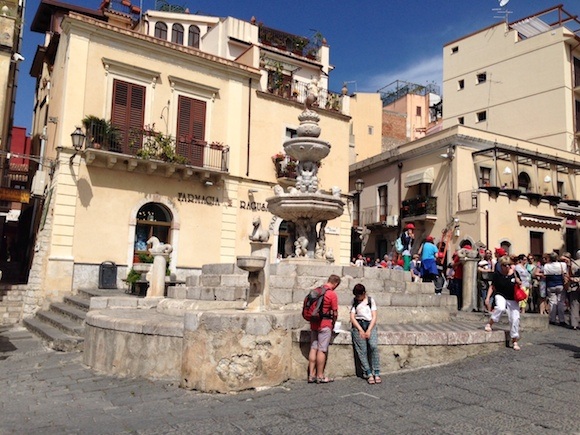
(426, 205)
(149, 144)
(298, 91)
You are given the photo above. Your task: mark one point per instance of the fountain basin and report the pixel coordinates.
(250, 263)
(307, 149)
(316, 207)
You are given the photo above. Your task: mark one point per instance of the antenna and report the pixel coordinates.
(501, 12)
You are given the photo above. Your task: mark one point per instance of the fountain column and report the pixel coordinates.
(259, 292)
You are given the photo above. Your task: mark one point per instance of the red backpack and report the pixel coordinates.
(312, 305)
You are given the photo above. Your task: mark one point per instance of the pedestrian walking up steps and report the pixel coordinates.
(62, 325)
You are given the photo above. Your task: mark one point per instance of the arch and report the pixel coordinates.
(193, 36)
(177, 34)
(524, 182)
(167, 210)
(161, 30)
(506, 245)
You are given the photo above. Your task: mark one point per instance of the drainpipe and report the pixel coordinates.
(400, 166)
(249, 119)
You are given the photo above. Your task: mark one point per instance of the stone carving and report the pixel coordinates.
(259, 234)
(307, 181)
(290, 240)
(158, 248)
(278, 190)
(335, 191)
(321, 242)
(301, 246)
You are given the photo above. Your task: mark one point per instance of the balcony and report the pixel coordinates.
(147, 144)
(295, 44)
(421, 206)
(298, 91)
(378, 216)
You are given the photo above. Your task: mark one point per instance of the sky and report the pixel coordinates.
(372, 42)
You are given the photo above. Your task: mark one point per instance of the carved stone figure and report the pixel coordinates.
(335, 191)
(259, 234)
(321, 242)
(278, 190)
(158, 248)
(301, 246)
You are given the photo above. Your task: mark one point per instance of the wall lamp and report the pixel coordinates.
(78, 140)
(359, 185)
(507, 170)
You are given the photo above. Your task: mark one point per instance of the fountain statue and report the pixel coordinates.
(160, 252)
(305, 206)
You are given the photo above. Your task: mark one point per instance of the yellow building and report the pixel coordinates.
(179, 143)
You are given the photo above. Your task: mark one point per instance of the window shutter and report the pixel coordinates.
(191, 129)
(128, 113)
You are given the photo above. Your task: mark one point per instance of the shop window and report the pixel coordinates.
(152, 220)
(161, 30)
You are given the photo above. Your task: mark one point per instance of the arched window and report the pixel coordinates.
(523, 182)
(161, 30)
(193, 37)
(177, 34)
(153, 219)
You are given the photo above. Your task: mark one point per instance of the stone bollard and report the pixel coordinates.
(469, 284)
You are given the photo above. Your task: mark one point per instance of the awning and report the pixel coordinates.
(540, 220)
(568, 210)
(425, 176)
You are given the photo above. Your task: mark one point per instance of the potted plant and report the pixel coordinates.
(100, 132)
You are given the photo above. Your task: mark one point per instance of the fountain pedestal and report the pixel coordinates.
(258, 267)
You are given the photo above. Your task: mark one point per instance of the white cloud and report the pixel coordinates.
(426, 71)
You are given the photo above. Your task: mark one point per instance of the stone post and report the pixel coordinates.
(259, 295)
(157, 281)
(469, 284)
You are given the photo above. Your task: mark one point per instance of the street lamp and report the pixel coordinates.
(359, 185)
(78, 140)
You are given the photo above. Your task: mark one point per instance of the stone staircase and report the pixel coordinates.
(62, 325)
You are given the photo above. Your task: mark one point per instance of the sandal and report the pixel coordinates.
(371, 380)
(378, 379)
(311, 379)
(488, 328)
(517, 346)
(324, 380)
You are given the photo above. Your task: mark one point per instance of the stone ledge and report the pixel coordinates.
(443, 334)
(134, 321)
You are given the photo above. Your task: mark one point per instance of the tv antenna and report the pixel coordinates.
(502, 12)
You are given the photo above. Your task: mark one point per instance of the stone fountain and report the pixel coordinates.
(305, 206)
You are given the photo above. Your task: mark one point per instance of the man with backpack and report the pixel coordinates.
(321, 310)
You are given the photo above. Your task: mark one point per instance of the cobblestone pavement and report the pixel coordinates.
(536, 390)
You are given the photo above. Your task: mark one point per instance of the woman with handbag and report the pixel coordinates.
(503, 286)
(363, 317)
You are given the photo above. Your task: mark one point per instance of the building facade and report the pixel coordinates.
(183, 134)
(518, 79)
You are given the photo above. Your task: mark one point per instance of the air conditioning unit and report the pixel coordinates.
(39, 183)
(392, 220)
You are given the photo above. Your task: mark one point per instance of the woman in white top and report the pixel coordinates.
(363, 317)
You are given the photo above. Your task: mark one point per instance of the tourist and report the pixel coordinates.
(399, 265)
(360, 261)
(321, 332)
(524, 275)
(534, 299)
(407, 238)
(555, 272)
(539, 274)
(429, 271)
(456, 283)
(363, 317)
(499, 252)
(484, 266)
(574, 293)
(502, 287)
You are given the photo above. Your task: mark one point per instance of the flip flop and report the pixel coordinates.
(311, 379)
(371, 380)
(324, 380)
(378, 379)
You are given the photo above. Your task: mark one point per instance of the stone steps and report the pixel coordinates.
(62, 325)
